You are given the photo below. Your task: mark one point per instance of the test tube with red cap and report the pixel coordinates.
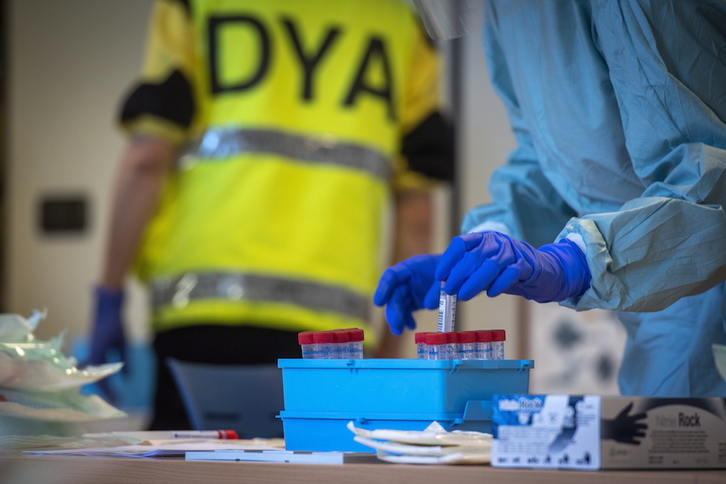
(499, 336)
(484, 344)
(422, 352)
(355, 343)
(452, 338)
(438, 346)
(305, 338)
(341, 337)
(324, 345)
(466, 344)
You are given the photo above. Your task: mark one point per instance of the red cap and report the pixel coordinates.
(323, 337)
(341, 335)
(436, 339)
(419, 338)
(452, 337)
(499, 335)
(467, 337)
(355, 334)
(483, 336)
(305, 338)
(227, 434)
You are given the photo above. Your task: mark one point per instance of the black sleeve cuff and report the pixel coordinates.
(430, 148)
(171, 100)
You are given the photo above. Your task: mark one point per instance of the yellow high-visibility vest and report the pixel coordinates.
(291, 114)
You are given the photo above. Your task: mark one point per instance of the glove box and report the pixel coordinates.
(322, 396)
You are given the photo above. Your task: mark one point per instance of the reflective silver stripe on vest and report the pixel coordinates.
(221, 143)
(179, 291)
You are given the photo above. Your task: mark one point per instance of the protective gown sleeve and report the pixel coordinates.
(669, 242)
(524, 204)
(666, 64)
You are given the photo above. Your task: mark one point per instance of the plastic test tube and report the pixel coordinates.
(437, 344)
(452, 345)
(422, 351)
(305, 338)
(499, 336)
(447, 310)
(484, 344)
(324, 344)
(466, 345)
(341, 337)
(355, 343)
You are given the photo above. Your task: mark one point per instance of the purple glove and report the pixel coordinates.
(407, 287)
(107, 332)
(496, 263)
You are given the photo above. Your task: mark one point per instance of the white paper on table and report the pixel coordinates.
(284, 456)
(178, 448)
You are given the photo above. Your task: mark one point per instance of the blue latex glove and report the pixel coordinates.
(406, 287)
(496, 263)
(107, 332)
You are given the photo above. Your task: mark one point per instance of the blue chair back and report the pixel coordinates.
(244, 398)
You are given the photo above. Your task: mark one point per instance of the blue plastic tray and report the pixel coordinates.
(322, 396)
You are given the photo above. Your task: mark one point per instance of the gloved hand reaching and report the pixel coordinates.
(488, 261)
(406, 287)
(107, 332)
(496, 263)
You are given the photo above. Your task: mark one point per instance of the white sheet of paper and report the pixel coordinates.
(179, 447)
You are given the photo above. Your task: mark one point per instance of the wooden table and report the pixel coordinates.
(15, 469)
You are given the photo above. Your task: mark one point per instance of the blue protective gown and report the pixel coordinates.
(618, 109)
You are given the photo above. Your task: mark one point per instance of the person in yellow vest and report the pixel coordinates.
(267, 142)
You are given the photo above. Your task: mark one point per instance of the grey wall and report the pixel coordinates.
(68, 64)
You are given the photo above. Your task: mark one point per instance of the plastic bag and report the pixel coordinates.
(37, 381)
(27, 363)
